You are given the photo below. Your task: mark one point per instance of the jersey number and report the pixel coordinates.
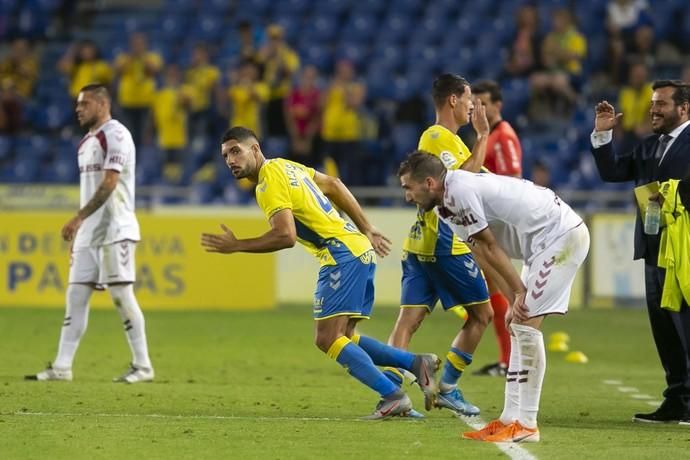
(320, 198)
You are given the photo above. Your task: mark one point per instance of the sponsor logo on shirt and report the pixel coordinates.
(90, 168)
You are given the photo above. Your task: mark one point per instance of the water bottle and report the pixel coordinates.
(652, 218)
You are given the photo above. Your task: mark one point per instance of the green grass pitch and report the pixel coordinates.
(247, 385)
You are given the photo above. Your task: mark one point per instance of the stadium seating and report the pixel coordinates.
(397, 48)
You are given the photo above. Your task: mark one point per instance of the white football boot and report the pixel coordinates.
(136, 374)
(51, 373)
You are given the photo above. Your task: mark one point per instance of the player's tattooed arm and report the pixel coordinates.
(102, 194)
(97, 200)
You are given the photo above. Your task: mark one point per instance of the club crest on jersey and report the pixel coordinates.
(448, 159)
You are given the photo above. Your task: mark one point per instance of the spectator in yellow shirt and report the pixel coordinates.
(280, 63)
(562, 53)
(170, 109)
(20, 66)
(635, 100)
(83, 65)
(137, 71)
(203, 77)
(342, 122)
(246, 97)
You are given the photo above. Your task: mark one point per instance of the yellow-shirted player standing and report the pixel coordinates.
(299, 204)
(436, 264)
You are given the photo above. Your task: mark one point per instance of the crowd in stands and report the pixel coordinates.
(334, 84)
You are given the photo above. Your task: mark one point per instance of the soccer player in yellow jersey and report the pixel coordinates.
(299, 204)
(436, 264)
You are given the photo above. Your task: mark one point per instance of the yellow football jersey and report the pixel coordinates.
(430, 236)
(285, 184)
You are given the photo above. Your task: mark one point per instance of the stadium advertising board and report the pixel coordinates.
(37, 196)
(614, 274)
(173, 271)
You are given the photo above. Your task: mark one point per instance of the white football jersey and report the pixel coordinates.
(109, 147)
(524, 218)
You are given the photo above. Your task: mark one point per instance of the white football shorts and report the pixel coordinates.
(549, 279)
(103, 265)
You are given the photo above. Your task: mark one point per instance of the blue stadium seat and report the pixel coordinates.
(460, 60)
(316, 55)
(24, 170)
(183, 6)
(353, 52)
(320, 29)
(409, 7)
(206, 28)
(35, 148)
(65, 171)
(372, 6)
(289, 7)
(219, 7)
(360, 28)
(430, 30)
(275, 147)
(515, 98)
(6, 146)
(32, 23)
(427, 57)
(394, 28)
(388, 57)
(404, 137)
(378, 81)
(8, 6)
(203, 193)
(171, 26)
(331, 6)
(66, 149)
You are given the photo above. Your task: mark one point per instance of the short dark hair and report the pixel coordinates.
(99, 89)
(488, 86)
(420, 165)
(681, 94)
(445, 85)
(239, 134)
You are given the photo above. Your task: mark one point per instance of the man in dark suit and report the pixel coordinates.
(659, 157)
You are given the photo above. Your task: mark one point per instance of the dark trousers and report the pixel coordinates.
(671, 333)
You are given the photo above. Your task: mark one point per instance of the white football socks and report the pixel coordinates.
(531, 374)
(133, 320)
(74, 325)
(511, 404)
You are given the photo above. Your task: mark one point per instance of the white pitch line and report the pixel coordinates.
(654, 403)
(512, 450)
(185, 417)
(613, 382)
(628, 390)
(641, 396)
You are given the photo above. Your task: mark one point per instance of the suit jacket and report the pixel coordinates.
(640, 166)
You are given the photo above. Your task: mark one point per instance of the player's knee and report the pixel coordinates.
(481, 315)
(323, 341)
(409, 321)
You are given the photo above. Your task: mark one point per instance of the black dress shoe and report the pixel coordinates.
(662, 415)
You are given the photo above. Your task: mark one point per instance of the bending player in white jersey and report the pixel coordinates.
(103, 234)
(506, 217)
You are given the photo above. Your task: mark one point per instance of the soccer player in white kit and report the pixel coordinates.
(506, 217)
(103, 235)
